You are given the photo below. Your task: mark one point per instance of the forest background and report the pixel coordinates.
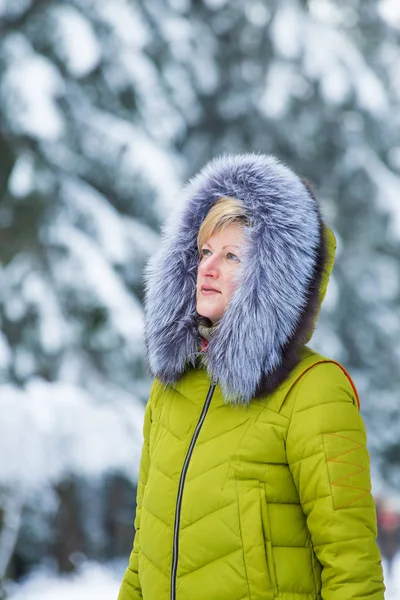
(106, 109)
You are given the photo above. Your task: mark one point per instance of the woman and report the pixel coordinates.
(254, 480)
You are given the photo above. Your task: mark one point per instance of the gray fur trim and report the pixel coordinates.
(275, 301)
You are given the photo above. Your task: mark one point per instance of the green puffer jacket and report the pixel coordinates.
(275, 501)
(254, 481)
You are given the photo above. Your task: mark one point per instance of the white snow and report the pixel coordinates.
(15, 306)
(94, 582)
(379, 281)
(176, 30)
(390, 10)
(29, 88)
(77, 43)
(387, 182)
(335, 84)
(278, 90)
(127, 23)
(325, 54)
(205, 68)
(392, 582)
(24, 286)
(159, 168)
(140, 154)
(88, 271)
(287, 30)
(64, 430)
(23, 363)
(326, 341)
(180, 5)
(341, 57)
(102, 221)
(332, 294)
(39, 293)
(12, 8)
(257, 13)
(327, 12)
(389, 323)
(21, 180)
(183, 40)
(163, 121)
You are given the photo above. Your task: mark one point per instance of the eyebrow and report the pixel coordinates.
(223, 247)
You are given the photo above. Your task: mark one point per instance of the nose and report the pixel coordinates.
(210, 266)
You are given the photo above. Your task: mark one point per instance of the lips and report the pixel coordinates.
(207, 289)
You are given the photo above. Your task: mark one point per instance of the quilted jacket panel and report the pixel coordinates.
(276, 501)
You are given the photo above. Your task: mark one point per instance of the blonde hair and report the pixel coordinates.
(224, 212)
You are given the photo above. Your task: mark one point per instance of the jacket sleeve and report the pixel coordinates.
(130, 587)
(329, 461)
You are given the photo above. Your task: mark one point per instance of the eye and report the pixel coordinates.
(233, 257)
(204, 252)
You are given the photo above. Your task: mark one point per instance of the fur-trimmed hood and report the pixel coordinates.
(280, 281)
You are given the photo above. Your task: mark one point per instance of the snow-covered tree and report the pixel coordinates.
(87, 174)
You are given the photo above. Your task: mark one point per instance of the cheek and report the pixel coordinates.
(201, 265)
(230, 284)
(199, 270)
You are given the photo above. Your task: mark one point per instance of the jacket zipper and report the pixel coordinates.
(180, 488)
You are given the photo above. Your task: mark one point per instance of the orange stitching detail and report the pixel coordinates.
(345, 438)
(347, 476)
(337, 482)
(344, 371)
(350, 381)
(350, 487)
(352, 501)
(346, 451)
(344, 454)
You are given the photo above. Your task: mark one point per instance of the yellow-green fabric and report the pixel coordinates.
(276, 502)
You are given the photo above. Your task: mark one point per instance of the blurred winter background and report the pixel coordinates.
(106, 108)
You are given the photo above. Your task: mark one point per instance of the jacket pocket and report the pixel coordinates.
(255, 535)
(266, 524)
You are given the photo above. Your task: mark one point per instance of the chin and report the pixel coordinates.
(202, 311)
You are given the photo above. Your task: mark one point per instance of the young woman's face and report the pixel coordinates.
(220, 258)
